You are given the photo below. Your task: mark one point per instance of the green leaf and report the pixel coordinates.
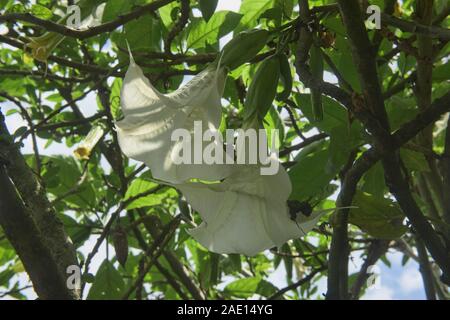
(17, 8)
(114, 8)
(207, 7)
(405, 260)
(5, 276)
(405, 63)
(247, 287)
(20, 131)
(11, 112)
(341, 59)
(286, 78)
(114, 98)
(166, 13)
(144, 33)
(108, 283)
(13, 86)
(139, 186)
(309, 176)
(288, 261)
(442, 72)
(273, 121)
(7, 253)
(234, 263)
(374, 181)
(343, 141)
(272, 14)
(215, 268)
(286, 6)
(379, 217)
(334, 116)
(414, 161)
(401, 110)
(203, 33)
(41, 12)
(252, 10)
(77, 232)
(262, 90)
(334, 23)
(266, 289)
(243, 288)
(62, 174)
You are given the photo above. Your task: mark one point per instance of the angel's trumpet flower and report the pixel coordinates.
(145, 134)
(246, 213)
(84, 149)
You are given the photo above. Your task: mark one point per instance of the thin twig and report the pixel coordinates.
(297, 284)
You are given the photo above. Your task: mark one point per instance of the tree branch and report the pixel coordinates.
(179, 25)
(152, 224)
(376, 250)
(425, 270)
(305, 143)
(364, 58)
(297, 284)
(91, 32)
(18, 224)
(35, 200)
(413, 27)
(404, 25)
(446, 174)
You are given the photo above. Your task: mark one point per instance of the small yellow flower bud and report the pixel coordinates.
(83, 151)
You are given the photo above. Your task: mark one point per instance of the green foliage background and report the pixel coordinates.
(51, 98)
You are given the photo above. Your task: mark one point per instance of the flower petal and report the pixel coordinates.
(151, 117)
(246, 213)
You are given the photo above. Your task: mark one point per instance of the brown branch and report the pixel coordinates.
(404, 25)
(423, 92)
(63, 107)
(297, 284)
(21, 230)
(61, 61)
(26, 116)
(413, 27)
(34, 197)
(112, 219)
(425, 270)
(179, 25)
(364, 59)
(91, 32)
(340, 248)
(289, 108)
(445, 164)
(14, 291)
(303, 144)
(171, 280)
(154, 252)
(400, 86)
(41, 75)
(64, 124)
(152, 224)
(376, 250)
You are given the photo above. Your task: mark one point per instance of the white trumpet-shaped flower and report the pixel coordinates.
(145, 134)
(84, 149)
(247, 213)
